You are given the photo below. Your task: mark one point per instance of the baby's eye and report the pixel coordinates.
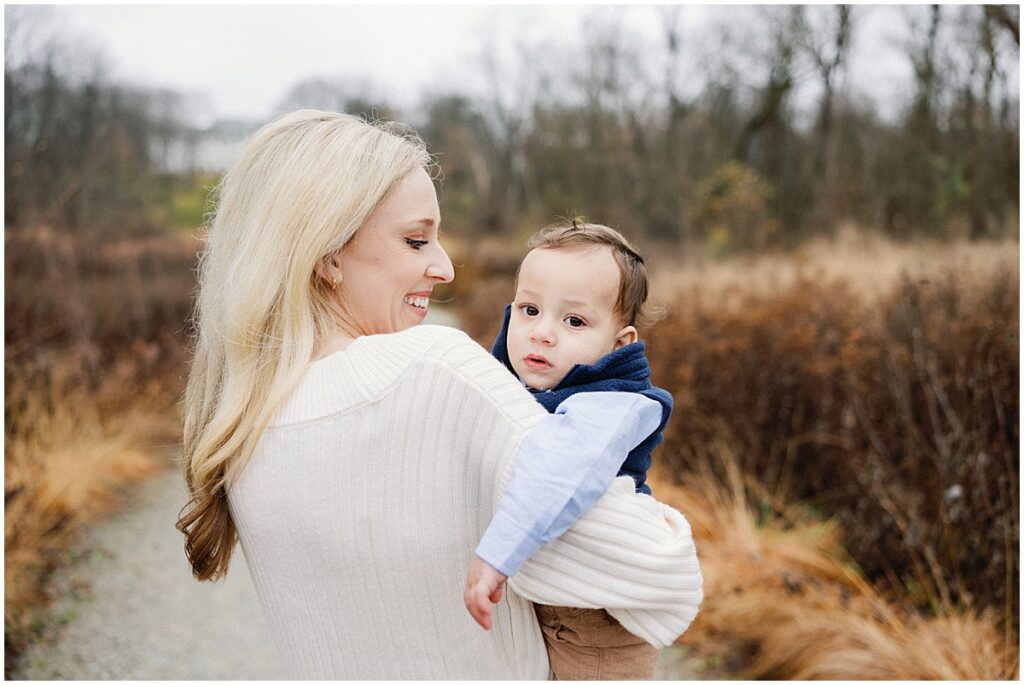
(529, 309)
(575, 321)
(416, 243)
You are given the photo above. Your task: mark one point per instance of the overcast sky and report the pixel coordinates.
(243, 58)
(246, 57)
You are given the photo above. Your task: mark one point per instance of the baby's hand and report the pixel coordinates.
(484, 586)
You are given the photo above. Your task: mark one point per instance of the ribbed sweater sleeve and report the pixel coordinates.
(629, 554)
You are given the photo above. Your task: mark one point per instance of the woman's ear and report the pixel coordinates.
(627, 336)
(329, 270)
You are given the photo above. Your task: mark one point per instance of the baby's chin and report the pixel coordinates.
(535, 381)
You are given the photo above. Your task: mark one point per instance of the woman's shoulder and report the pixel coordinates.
(454, 353)
(378, 361)
(450, 348)
(375, 365)
(433, 336)
(367, 369)
(424, 342)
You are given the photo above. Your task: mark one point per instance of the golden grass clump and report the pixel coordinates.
(68, 460)
(784, 601)
(818, 641)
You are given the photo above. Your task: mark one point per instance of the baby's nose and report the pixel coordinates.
(542, 333)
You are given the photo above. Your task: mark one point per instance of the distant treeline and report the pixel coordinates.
(615, 130)
(79, 149)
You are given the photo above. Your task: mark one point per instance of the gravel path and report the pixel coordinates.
(128, 608)
(133, 612)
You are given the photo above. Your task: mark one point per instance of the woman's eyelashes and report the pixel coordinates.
(416, 243)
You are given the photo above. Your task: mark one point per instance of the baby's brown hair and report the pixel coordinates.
(630, 304)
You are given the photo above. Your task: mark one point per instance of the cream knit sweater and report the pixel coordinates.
(360, 509)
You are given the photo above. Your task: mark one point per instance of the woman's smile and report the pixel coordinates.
(418, 302)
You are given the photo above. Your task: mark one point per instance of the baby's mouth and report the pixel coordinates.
(535, 362)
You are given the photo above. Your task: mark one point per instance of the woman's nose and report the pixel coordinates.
(441, 267)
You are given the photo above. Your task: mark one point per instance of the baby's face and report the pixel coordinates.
(564, 313)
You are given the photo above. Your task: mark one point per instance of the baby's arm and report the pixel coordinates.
(566, 462)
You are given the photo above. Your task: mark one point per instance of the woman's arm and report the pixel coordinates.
(566, 462)
(629, 553)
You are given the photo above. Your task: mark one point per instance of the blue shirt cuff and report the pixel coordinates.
(494, 545)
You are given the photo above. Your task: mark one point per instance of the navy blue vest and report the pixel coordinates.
(623, 370)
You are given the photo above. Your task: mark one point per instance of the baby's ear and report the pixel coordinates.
(627, 336)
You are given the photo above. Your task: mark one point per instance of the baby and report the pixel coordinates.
(570, 330)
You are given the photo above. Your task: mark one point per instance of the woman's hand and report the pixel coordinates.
(484, 586)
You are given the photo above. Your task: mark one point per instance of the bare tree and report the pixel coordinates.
(923, 48)
(979, 121)
(665, 196)
(1007, 16)
(509, 100)
(826, 45)
(780, 81)
(910, 170)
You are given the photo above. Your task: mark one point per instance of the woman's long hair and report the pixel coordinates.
(304, 185)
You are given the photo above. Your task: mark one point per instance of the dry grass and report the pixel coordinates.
(869, 263)
(93, 372)
(69, 458)
(784, 601)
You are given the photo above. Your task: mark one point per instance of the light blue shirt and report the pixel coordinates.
(566, 462)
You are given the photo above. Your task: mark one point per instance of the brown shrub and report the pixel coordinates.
(96, 293)
(480, 261)
(481, 311)
(899, 417)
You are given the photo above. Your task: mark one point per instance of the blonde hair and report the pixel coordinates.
(631, 302)
(304, 185)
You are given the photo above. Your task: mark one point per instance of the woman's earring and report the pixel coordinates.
(334, 283)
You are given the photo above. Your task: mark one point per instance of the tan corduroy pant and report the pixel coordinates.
(589, 644)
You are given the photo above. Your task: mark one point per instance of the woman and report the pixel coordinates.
(358, 457)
